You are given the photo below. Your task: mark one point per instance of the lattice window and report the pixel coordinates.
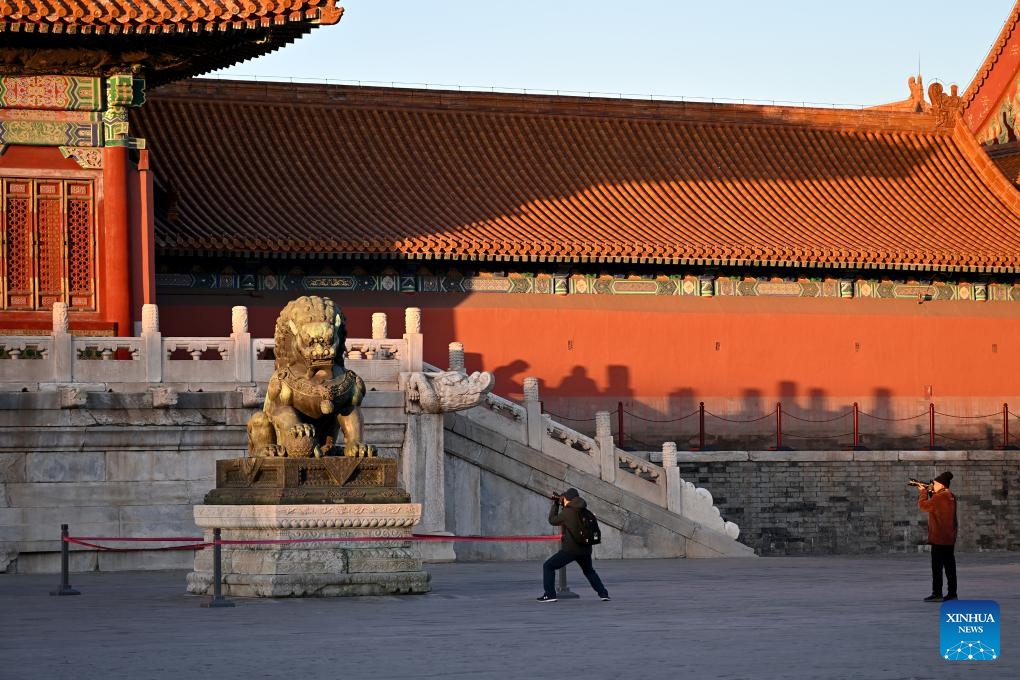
(48, 243)
(81, 264)
(49, 230)
(18, 257)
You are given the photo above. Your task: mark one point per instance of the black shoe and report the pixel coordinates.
(950, 597)
(933, 598)
(605, 598)
(546, 598)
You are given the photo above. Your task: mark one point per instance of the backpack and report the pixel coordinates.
(590, 532)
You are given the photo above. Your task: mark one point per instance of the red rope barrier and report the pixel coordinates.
(178, 539)
(412, 537)
(88, 541)
(104, 548)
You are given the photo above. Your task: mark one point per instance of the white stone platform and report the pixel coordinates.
(326, 568)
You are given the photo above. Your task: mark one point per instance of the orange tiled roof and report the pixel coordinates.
(1007, 158)
(378, 172)
(159, 16)
(165, 39)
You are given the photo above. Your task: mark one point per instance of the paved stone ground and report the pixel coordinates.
(783, 617)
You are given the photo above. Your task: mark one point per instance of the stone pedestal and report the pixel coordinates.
(324, 568)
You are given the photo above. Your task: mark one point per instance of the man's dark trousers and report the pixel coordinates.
(943, 557)
(562, 559)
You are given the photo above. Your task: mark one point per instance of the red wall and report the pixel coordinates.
(621, 347)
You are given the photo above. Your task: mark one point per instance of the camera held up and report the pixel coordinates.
(927, 486)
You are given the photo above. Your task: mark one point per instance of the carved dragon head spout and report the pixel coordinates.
(445, 391)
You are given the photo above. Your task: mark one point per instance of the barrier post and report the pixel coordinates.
(217, 599)
(619, 422)
(856, 444)
(779, 429)
(562, 589)
(65, 559)
(701, 426)
(1006, 446)
(931, 427)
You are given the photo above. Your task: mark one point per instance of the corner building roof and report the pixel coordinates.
(377, 172)
(162, 40)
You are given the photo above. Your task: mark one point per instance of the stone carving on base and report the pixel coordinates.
(446, 391)
(312, 400)
(332, 479)
(305, 554)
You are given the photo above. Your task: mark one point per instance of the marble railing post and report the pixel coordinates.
(533, 410)
(244, 369)
(63, 345)
(152, 342)
(607, 447)
(379, 326)
(674, 502)
(457, 357)
(412, 361)
(423, 461)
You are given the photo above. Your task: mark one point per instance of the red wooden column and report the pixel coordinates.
(144, 270)
(115, 242)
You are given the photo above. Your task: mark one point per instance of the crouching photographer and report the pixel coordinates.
(565, 512)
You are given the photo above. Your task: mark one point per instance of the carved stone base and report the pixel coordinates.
(299, 481)
(313, 569)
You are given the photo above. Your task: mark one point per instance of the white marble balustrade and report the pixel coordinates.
(34, 362)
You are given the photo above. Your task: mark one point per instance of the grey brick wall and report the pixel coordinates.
(790, 506)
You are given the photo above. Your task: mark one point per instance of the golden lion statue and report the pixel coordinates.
(311, 398)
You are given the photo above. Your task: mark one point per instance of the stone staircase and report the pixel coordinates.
(505, 459)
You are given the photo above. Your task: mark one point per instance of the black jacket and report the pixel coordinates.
(567, 517)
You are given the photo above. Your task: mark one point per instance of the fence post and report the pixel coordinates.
(63, 345)
(619, 422)
(456, 350)
(856, 444)
(931, 426)
(562, 589)
(779, 429)
(217, 599)
(244, 368)
(411, 360)
(1006, 446)
(65, 558)
(152, 342)
(701, 426)
(608, 464)
(674, 485)
(533, 409)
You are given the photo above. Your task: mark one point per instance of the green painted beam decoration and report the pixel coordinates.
(69, 111)
(455, 282)
(50, 128)
(53, 93)
(122, 92)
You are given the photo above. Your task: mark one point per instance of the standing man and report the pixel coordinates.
(940, 504)
(564, 512)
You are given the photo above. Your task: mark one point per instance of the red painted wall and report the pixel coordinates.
(689, 348)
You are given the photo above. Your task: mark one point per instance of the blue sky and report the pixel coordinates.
(852, 53)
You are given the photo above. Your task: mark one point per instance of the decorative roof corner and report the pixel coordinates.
(150, 38)
(945, 107)
(330, 15)
(977, 103)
